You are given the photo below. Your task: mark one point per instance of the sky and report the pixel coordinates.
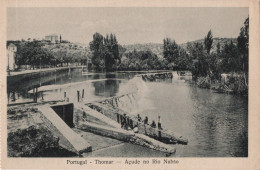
(131, 25)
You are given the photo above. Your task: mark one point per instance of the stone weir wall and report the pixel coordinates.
(156, 76)
(165, 136)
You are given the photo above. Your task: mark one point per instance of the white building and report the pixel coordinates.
(53, 38)
(11, 52)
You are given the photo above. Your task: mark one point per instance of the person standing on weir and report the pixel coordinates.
(123, 123)
(139, 118)
(146, 120)
(159, 123)
(153, 125)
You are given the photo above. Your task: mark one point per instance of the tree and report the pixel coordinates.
(229, 58)
(111, 51)
(184, 60)
(170, 50)
(105, 51)
(208, 40)
(33, 53)
(242, 44)
(218, 48)
(198, 55)
(97, 48)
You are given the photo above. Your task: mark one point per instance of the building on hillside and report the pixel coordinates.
(53, 38)
(11, 53)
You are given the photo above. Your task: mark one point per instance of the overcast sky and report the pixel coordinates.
(131, 25)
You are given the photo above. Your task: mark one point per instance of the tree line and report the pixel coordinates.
(198, 57)
(36, 53)
(226, 59)
(108, 55)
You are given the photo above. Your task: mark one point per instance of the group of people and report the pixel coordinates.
(126, 124)
(145, 121)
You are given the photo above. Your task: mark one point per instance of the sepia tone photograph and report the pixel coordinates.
(127, 82)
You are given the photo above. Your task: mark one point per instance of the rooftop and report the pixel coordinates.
(11, 45)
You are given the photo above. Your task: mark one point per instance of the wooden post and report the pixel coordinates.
(36, 95)
(64, 96)
(117, 116)
(120, 119)
(14, 96)
(42, 96)
(8, 96)
(78, 94)
(82, 93)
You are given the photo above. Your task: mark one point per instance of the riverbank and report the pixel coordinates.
(231, 84)
(14, 73)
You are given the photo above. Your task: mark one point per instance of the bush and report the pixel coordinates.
(203, 82)
(34, 142)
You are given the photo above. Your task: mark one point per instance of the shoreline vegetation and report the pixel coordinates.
(220, 64)
(234, 84)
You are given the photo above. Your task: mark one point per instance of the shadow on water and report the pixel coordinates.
(107, 88)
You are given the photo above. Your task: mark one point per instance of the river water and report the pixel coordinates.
(216, 125)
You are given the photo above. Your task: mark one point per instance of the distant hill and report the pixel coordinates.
(221, 41)
(157, 48)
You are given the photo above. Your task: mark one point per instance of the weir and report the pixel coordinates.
(127, 136)
(111, 107)
(115, 131)
(117, 114)
(155, 76)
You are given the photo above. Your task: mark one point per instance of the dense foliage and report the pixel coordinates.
(33, 53)
(230, 58)
(43, 53)
(105, 52)
(176, 56)
(139, 60)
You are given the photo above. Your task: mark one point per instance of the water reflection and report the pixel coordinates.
(107, 88)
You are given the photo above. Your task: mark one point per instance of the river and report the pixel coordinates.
(216, 125)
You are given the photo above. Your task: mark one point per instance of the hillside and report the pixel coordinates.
(221, 41)
(154, 47)
(158, 48)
